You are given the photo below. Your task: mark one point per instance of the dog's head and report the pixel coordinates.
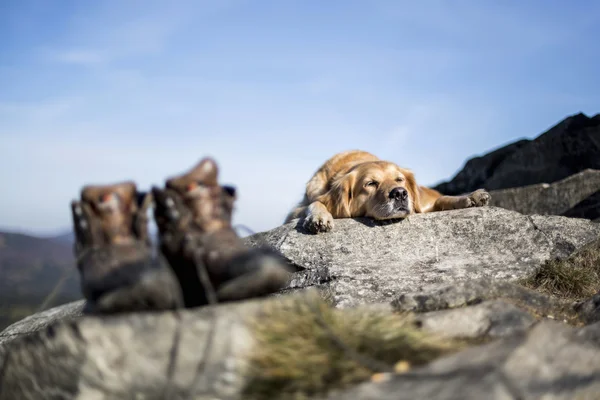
(376, 189)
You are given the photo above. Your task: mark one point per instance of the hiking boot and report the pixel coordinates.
(114, 255)
(193, 215)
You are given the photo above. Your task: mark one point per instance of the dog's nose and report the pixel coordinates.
(398, 193)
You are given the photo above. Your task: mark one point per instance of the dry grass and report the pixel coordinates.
(575, 278)
(306, 348)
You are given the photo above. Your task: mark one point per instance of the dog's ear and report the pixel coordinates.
(413, 190)
(338, 199)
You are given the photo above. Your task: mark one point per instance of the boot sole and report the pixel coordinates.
(154, 290)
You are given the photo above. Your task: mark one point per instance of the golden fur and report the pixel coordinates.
(358, 184)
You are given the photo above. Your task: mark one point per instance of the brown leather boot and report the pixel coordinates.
(114, 256)
(193, 214)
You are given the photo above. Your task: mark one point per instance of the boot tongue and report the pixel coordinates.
(113, 206)
(200, 190)
(205, 173)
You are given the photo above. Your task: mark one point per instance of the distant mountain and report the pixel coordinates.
(31, 268)
(66, 238)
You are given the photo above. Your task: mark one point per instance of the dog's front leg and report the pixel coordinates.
(477, 198)
(317, 218)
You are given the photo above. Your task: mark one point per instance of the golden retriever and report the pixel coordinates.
(358, 184)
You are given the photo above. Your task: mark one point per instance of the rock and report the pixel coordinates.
(478, 170)
(415, 257)
(168, 355)
(551, 361)
(41, 320)
(364, 261)
(489, 308)
(565, 197)
(462, 260)
(590, 333)
(588, 208)
(569, 147)
(491, 318)
(475, 291)
(589, 310)
(202, 353)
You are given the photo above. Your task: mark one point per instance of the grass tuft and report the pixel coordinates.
(574, 278)
(306, 348)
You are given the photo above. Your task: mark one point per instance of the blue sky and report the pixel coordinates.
(95, 92)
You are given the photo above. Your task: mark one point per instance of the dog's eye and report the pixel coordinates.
(399, 179)
(372, 183)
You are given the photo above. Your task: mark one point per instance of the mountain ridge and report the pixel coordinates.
(568, 147)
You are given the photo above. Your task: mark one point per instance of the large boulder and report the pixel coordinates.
(454, 269)
(565, 149)
(205, 354)
(363, 261)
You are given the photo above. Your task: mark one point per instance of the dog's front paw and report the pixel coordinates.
(479, 198)
(319, 222)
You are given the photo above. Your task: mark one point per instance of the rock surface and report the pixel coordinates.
(492, 318)
(569, 147)
(363, 261)
(41, 320)
(588, 208)
(590, 309)
(454, 268)
(191, 354)
(558, 198)
(551, 361)
(465, 293)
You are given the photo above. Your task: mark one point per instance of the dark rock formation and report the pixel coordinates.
(478, 170)
(588, 208)
(565, 149)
